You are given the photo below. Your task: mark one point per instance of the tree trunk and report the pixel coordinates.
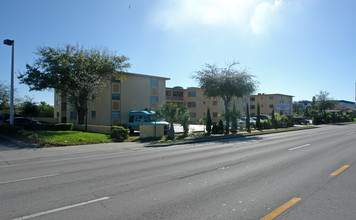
(81, 116)
(227, 115)
(171, 132)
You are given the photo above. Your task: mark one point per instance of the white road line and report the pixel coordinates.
(29, 178)
(295, 148)
(60, 209)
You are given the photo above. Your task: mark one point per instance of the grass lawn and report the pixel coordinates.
(63, 138)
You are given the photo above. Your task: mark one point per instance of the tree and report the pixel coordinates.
(184, 118)
(274, 121)
(258, 118)
(323, 102)
(170, 112)
(45, 110)
(234, 114)
(75, 72)
(248, 118)
(298, 108)
(4, 97)
(225, 83)
(29, 109)
(208, 122)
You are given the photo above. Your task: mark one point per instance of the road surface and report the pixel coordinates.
(308, 174)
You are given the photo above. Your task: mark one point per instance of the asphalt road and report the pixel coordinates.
(285, 174)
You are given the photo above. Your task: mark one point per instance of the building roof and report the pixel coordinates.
(272, 94)
(137, 74)
(344, 101)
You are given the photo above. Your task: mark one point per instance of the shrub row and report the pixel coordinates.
(333, 118)
(9, 130)
(120, 133)
(50, 127)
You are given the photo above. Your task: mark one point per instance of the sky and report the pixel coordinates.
(292, 47)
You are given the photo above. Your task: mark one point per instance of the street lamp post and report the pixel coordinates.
(11, 43)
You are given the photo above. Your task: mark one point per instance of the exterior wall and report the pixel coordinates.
(268, 102)
(114, 102)
(198, 104)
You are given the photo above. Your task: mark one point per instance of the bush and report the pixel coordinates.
(63, 127)
(119, 133)
(266, 124)
(50, 127)
(8, 130)
(220, 127)
(215, 129)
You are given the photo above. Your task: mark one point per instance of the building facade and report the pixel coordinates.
(281, 104)
(116, 100)
(198, 104)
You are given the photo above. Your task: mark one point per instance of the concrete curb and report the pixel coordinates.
(157, 145)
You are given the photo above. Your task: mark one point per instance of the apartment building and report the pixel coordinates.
(281, 104)
(116, 100)
(198, 104)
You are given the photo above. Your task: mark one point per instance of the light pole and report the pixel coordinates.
(11, 43)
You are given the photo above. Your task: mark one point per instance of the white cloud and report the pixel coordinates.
(255, 15)
(264, 16)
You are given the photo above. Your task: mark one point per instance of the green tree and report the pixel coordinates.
(29, 109)
(248, 118)
(225, 83)
(323, 102)
(4, 97)
(169, 111)
(298, 108)
(234, 114)
(274, 121)
(258, 118)
(208, 122)
(74, 71)
(45, 110)
(184, 118)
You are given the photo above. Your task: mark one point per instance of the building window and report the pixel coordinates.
(58, 102)
(154, 98)
(252, 99)
(115, 114)
(168, 93)
(193, 114)
(154, 83)
(192, 94)
(57, 114)
(271, 97)
(73, 116)
(215, 102)
(93, 96)
(192, 104)
(115, 96)
(271, 106)
(93, 114)
(215, 114)
(252, 107)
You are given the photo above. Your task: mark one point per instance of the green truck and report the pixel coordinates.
(137, 118)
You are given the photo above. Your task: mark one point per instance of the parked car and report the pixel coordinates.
(264, 117)
(252, 121)
(137, 118)
(23, 121)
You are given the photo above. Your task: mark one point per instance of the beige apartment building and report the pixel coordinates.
(116, 100)
(198, 104)
(281, 104)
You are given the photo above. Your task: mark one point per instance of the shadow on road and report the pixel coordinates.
(6, 144)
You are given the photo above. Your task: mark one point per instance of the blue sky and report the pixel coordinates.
(293, 47)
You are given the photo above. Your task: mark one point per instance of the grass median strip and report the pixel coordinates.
(281, 209)
(340, 170)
